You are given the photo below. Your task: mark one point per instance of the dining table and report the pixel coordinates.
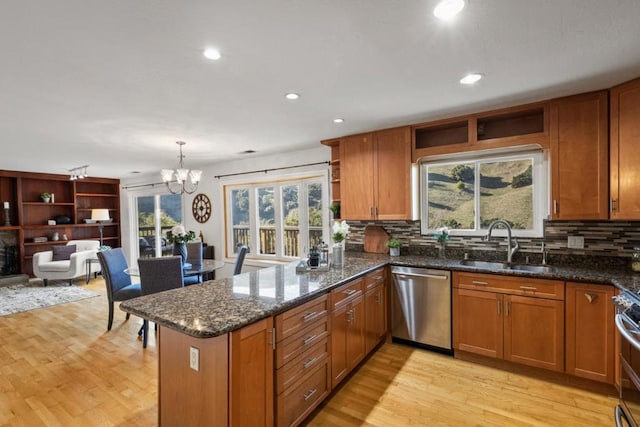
(207, 266)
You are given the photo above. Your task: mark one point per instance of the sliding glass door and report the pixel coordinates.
(156, 215)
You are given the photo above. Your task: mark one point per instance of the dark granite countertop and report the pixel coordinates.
(220, 306)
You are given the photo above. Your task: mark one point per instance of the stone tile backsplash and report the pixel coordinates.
(601, 238)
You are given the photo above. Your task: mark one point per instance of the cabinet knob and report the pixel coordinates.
(590, 297)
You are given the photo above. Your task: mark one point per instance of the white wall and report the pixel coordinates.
(213, 230)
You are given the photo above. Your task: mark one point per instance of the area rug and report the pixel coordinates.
(17, 298)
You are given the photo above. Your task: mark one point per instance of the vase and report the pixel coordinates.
(180, 249)
(394, 251)
(337, 259)
(441, 250)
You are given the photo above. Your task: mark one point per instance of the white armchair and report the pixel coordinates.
(45, 268)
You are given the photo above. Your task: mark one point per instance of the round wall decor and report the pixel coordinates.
(201, 208)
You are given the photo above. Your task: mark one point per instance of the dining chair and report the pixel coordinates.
(158, 275)
(119, 285)
(195, 258)
(242, 252)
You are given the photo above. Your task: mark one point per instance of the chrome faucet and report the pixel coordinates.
(511, 241)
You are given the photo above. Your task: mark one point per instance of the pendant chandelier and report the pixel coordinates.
(186, 180)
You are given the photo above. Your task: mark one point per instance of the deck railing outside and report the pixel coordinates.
(291, 239)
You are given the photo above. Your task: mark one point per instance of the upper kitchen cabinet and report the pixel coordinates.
(624, 152)
(579, 157)
(375, 175)
(507, 127)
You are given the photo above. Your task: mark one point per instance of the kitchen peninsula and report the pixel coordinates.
(217, 364)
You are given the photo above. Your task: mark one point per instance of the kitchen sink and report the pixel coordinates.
(533, 268)
(490, 265)
(485, 264)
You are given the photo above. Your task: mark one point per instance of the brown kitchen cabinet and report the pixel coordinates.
(375, 307)
(579, 156)
(590, 331)
(347, 329)
(375, 175)
(624, 155)
(512, 318)
(303, 360)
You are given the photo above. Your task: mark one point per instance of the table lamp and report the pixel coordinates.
(100, 215)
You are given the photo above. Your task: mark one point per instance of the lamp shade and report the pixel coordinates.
(100, 214)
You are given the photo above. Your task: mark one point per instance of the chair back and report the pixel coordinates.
(194, 253)
(113, 263)
(242, 252)
(85, 245)
(160, 274)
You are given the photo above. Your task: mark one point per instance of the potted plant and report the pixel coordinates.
(179, 237)
(335, 208)
(45, 197)
(394, 246)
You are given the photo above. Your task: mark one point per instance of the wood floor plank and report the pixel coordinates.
(60, 367)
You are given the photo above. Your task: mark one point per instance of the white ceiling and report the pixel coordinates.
(115, 83)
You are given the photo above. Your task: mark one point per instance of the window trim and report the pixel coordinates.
(281, 180)
(541, 188)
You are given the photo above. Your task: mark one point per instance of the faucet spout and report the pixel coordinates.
(512, 242)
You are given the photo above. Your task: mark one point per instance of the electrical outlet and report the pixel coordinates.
(194, 359)
(575, 242)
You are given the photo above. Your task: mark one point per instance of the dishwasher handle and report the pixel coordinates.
(428, 276)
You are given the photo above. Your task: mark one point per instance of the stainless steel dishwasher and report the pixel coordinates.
(421, 307)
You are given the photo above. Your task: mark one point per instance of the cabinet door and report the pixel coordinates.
(375, 316)
(534, 332)
(393, 174)
(339, 325)
(624, 153)
(590, 331)
(251, 375)
(477, 322)
(579, 153)
(355, 333)
(357, 177)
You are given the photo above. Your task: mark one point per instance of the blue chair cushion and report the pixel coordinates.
(130, 291)
(192, 280)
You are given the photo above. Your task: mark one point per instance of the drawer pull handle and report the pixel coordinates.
(591, 297)
(308, 316)
(528, 288)
(310, 393)
(308, 339)
(350, 291)
(479, 282)
(309, 362)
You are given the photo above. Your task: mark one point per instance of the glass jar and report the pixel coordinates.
(635, 259)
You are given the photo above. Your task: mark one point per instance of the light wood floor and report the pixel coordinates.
(59, 367)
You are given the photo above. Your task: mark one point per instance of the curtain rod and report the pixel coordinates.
(272, 169)
(234, 174)
(153, 184)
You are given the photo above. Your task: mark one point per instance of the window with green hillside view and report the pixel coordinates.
(468, 195)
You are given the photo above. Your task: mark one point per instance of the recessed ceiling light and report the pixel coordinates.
(212, 54)
(247, 152)
(338, 120)
(292, 96)
(447, 9)
(470, 78)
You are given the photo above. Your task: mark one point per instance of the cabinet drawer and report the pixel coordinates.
(302, 364)
(527, 286)
(296, 344)
(292, 321)
(345, 293)
(374, 278)
(295, 404)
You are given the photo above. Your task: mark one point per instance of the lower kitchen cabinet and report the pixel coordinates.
(251, 375)
(519, 328)
(375, 307)
(347, 330)
(590, 331)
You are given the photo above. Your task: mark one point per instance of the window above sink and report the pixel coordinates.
(467, 193)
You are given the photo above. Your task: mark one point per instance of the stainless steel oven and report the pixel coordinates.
(628, 324)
